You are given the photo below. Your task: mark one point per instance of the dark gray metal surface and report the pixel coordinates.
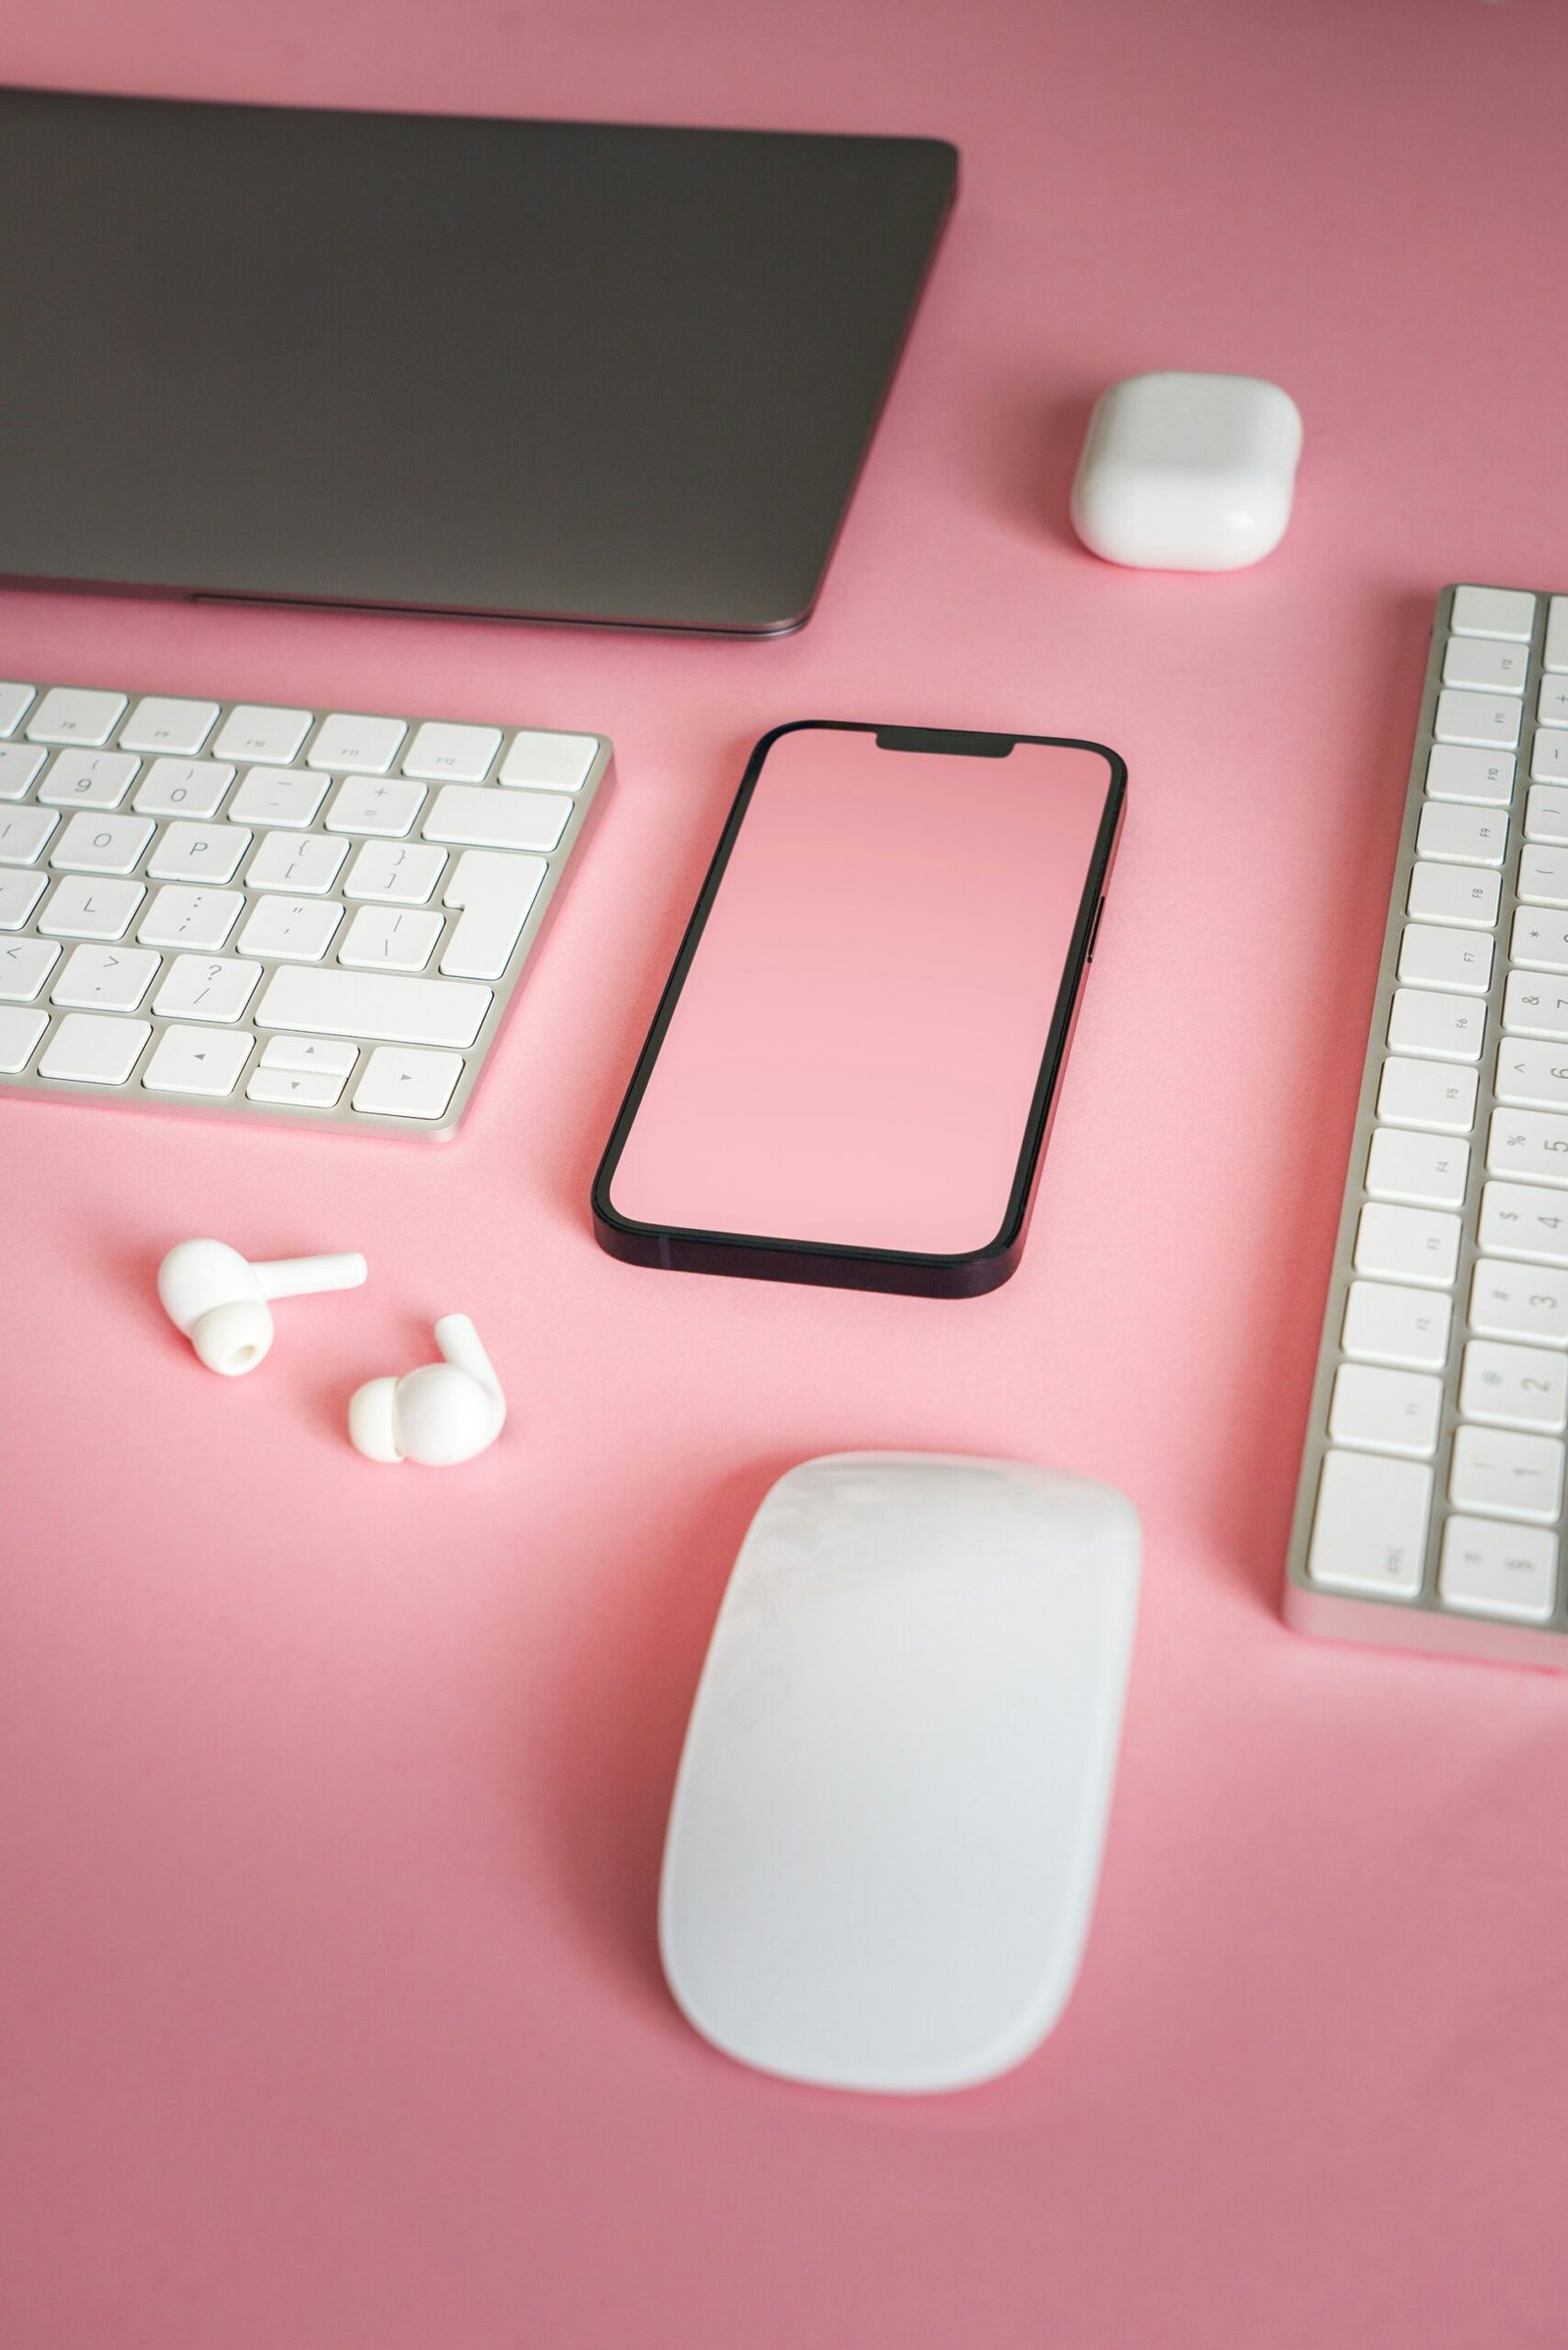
(562, 371)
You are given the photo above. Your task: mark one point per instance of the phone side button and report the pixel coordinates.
(1089, 950)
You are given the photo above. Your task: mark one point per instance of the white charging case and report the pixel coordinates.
(1187, 472)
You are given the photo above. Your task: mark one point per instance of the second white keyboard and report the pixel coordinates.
(1431, 1504)
(315, 917)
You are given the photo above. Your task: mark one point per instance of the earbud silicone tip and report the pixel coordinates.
(233, 1338)
(444, 1416)
(372, 1420)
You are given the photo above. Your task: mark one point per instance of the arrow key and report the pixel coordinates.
(198, 1061)
(402, 1084)
(294, 1088)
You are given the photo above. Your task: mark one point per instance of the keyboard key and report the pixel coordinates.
(1455, 959)
(496, 894)
(491, 820)
(1543, 875)
(1532, 1143)
(1548, 757)
(1557, 653)
(1461, 836)
(160, 724)
(1493, 612)
(408, 1085)
(1407, 1244)
(1551, 703)
(373, 1003)
(1504, 1571)
(1490, 720)
(94, 1048)
(1460, 894)
(1533, 1006)
(1369, 1530)
(402, 875)
(20, 764)
(200, 919)
(1546, 813)
(1450, 1027)
(1427, 1094)
(182, 786)
(23, 833)
(1486, 664)
(20, 893)
(1519, 1301)
(252, 731)
(87, 779)
(208, 852)
(557, 763)
(84, 908)
(201, 986)
(198, 1061)
(1517, 1220)
(294, 1088)
(20, 1031)
(25, 965)
(1408, 1328)
(1483, 777)
(452, 754)
(68, 714)
(299, 929)
(390, 938)
(1423, 1171)
(305, 863)
(385, 805)
(1531, 1075)
(1386, 1412)
(15, 701)
(278, 795)
(321, 1055)
(366, 746)
(1538, 941)
(1514, 1387)
(105, 978)
(1506, 1475)
(94, 843)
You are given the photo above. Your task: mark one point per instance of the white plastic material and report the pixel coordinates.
(219, 1299)
(886, 1831)
(442, 1413)
(1185, 472)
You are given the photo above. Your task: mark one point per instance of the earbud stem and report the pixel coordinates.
(458, 1343)
(304, 1276)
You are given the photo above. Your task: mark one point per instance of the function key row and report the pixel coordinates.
(439, 750)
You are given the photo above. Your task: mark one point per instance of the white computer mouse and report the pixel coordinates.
(887, 1824)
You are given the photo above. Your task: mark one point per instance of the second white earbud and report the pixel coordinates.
(442, 1413)
(219, 1299)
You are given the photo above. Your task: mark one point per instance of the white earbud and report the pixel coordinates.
(219, 1299)
(444, 1412)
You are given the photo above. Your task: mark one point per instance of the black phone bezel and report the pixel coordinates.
(763, 1258)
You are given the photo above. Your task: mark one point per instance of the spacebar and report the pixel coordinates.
(372, 1003)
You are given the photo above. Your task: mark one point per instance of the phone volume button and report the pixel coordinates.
(1094, 932)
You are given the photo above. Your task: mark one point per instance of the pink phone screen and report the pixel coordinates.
(855, 1052)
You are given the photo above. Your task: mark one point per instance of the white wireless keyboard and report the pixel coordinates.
(1429, 1512)
(306, 915)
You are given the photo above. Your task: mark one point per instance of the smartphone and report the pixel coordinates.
(852, 1072)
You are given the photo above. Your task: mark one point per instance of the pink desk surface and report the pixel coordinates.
(330, 1796)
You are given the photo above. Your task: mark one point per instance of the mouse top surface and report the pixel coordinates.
(887, 1823)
